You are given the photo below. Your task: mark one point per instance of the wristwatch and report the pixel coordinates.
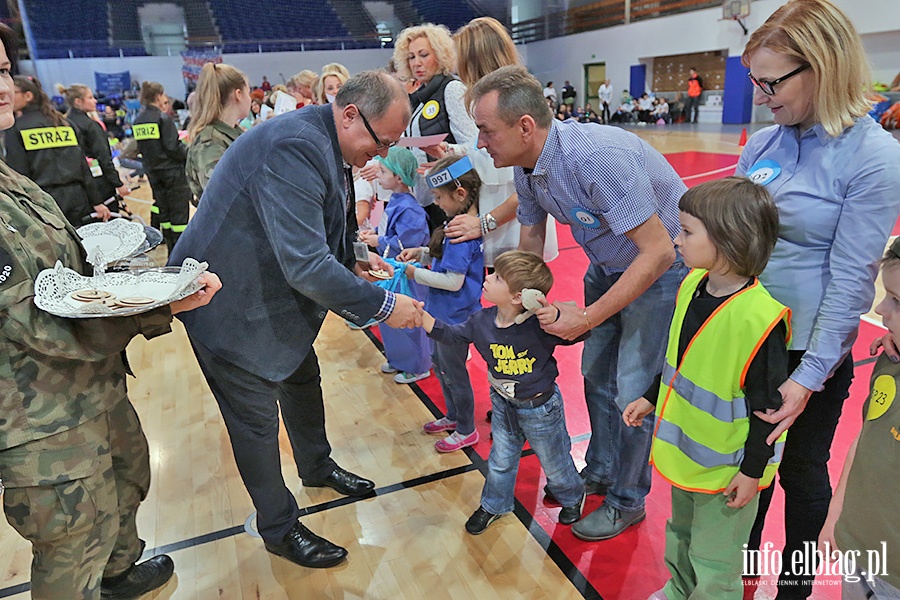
(490, 221)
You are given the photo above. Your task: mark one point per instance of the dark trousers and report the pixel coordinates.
(803, 475)
(171, 196)
(249, 406)
(691, 105)
(604, 113)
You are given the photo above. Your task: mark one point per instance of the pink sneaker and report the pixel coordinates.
(456, 441)
(442, 424)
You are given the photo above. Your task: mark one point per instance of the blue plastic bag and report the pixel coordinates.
(407, 350)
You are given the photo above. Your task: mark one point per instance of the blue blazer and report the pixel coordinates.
(272, 225)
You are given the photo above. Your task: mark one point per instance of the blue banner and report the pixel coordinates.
(112, 83)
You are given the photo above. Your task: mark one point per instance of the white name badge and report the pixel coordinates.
(764, 172)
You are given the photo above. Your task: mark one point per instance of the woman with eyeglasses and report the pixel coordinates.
(834, 175)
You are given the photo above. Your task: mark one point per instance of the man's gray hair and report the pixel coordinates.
(372, 92)
(518, 94)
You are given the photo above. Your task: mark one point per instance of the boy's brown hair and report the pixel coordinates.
(522, 270)
(740, 218)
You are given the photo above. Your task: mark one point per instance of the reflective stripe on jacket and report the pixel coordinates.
(703, 421)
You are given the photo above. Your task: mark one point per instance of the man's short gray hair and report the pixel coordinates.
(518, 94)
(373, 92)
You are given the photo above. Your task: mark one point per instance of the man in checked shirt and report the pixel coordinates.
(620, 198)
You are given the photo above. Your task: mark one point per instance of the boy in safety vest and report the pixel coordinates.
(726, 357)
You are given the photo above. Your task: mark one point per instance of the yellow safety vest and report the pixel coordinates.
(42, 138)
(702, 417)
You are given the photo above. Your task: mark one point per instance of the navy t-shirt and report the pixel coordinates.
(519, 358)
(467, 258)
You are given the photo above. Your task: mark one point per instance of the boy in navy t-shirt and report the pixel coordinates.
(526, 402)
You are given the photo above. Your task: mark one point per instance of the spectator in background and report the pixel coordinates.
(692, 104)
(569, 94)
(660, 111)
(112, 122)
(329, 85)
(605, 91)
(550, 95)
(301, 86)
(265, 86)
(588, 115)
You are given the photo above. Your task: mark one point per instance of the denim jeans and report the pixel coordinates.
(860, 588)
(620, 359)
(545, 428)
(803, 474)
(450, 367)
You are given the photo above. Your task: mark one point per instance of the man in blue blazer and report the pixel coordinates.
(273, 223)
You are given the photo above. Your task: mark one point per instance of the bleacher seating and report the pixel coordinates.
(76, 26)
(312, 21)
(452, 14)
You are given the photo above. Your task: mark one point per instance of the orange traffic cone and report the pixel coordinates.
(743, 140)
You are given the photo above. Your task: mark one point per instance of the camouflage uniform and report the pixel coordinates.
(73, 456)
(206, 149)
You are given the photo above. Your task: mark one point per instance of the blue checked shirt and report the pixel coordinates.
(603, 182)
(837, 199)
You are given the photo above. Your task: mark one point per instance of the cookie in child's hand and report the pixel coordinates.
(379, 274)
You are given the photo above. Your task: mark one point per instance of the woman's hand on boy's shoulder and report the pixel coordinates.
(887, 344)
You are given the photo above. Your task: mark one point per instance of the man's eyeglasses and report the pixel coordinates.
(381, 145)
(768, 87)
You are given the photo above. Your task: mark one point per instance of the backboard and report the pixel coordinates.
(735, 9)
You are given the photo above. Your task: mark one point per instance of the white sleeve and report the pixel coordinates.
(452, 282)
(462, 126)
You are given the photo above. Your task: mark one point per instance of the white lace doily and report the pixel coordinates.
(53, 289)
(116, 239)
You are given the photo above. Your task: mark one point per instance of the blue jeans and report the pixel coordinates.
(450, 367)
(619, 361)
(545, 428)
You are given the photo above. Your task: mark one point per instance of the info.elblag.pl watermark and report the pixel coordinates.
(810, 562)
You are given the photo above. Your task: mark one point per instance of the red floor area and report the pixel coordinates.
(630, 567)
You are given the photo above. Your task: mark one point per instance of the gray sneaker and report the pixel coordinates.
(606, 523)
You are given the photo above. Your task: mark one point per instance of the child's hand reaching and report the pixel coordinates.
(369, 237)
(409, 254)
(634, 413)
(410, 271)
(741, 490)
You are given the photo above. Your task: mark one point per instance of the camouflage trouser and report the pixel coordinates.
(74, 496)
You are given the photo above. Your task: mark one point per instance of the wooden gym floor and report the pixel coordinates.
(407, 541)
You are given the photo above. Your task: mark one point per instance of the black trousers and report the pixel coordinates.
(249, 406)
(691, 105)
(171, 197)
(604, 114)
(803, 475)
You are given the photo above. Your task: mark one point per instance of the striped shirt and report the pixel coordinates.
(603, 182)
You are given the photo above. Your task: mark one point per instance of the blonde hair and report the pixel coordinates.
(75, 91)
(305, 78)
(483, 45)
(522, 270)
(818, 34)
(320, 85)
(740, 218)
(215, 86)
(336, 68)
(441, 44)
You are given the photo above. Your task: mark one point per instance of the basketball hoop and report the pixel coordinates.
(736, 10)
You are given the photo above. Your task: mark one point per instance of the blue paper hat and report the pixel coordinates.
(451, 173)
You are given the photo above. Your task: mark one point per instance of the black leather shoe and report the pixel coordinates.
(305, 548)
(139, 579)
(590, 487)
(479, 521)
(571, 514)
(344, 482)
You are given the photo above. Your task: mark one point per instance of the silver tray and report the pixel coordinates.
(116, 239)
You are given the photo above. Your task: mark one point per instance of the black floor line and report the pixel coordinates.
(477, 463)
(554, 552)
